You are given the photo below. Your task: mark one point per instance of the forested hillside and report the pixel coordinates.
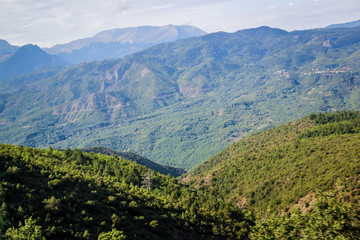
(173, 171)
(296, 181)
(52, 194)
(274, 169)
(180, 103)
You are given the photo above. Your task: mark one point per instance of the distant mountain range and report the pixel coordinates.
(116, 43)
(26, 59)
(6, 50)
(182, 102)
(345, 25)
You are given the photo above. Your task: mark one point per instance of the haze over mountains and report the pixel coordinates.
(6, 50)
(345, 25)
(182, 102)
(116, 43)
(27, 59)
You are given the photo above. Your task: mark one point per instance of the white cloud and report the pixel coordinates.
(300, 16)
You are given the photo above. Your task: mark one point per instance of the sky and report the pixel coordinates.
(50, 22)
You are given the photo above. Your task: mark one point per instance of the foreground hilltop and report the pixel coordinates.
(55, 194)
(275, 168)
(305, 174)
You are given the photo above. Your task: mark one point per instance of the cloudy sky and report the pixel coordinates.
(49, 22)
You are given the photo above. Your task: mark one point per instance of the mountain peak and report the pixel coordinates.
(30, 46)
(263, 31)
(29, 49)
(118, 42)
(4, 44)
(28, 52)
(145, 34)
(28, 58)
(6, 50)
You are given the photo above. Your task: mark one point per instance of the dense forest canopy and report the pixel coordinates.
(275, 168)
(68, 194)
(296, 181)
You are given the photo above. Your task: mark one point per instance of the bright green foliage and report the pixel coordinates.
(346, 122)
(113, 235)
(330, 218)
(76, 195)
(27, 231)
(52, 204)
(3, 220)
(324, 118)
(153, 224)
(275, 168)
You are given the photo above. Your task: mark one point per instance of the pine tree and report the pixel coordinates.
(146, 180)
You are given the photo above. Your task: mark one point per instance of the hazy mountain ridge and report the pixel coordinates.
(345, 25)
(182, 102)
(116, 43)
(27, 59)
(6, 50)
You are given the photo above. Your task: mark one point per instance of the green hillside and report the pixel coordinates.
(296, 181)
(180, 103)
(173, 171)
(274, 169)
(52, 194)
